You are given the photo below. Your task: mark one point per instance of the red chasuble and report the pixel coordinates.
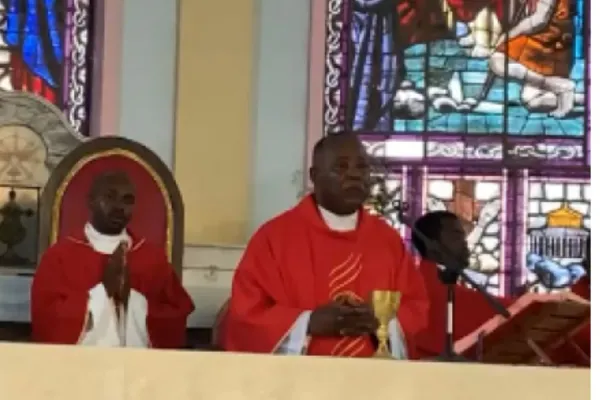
(70, 268)
(295, 263)
(471, 310)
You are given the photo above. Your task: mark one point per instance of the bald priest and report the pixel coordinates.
(108, 287)
(304, 283)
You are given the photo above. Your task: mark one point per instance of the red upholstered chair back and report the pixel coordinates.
(158, 212)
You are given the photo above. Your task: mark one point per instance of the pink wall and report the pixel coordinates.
(316, 74)
(107, 68)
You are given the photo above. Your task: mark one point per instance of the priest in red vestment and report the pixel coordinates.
(107, 286)
(471, 310)
(304, 282)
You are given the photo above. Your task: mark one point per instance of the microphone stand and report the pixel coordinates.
(449, 276)
(449, 279)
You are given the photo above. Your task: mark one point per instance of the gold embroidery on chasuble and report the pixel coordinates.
(341, 279)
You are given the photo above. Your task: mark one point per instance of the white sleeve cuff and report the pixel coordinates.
(99, 306)
(397, 343)
(136, 331)
(295, 342)
(98, 300)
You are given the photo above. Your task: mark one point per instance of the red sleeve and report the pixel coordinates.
(471, 310)
(57, 310)
(169, 306)
(582, 288)
(257, 319)
(414, 304)
(430, 341)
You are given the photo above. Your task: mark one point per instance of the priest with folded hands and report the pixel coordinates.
(303, 285)
(107, 286)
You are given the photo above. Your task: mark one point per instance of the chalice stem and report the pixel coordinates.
(382, 337)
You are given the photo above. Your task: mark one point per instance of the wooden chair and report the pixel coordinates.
(158, 212)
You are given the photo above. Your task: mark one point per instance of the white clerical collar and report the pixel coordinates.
(105, 244)
(339, 223)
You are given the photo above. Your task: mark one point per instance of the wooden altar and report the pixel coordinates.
(65, 373)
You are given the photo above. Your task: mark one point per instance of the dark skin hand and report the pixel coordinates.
(342, 317)
(116, 275)
(122, 295)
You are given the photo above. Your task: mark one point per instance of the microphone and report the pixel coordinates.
(449, 275)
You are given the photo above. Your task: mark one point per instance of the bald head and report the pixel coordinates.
(330, 144)
(106, 179)
(340, 173)
(111, 201)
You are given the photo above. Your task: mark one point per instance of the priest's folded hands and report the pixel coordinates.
(115, 277)
(342, 317)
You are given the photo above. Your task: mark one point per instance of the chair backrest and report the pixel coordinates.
(158, 212)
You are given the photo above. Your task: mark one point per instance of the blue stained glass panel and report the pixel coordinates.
(45, 43)
(428, 72)
(453, 67)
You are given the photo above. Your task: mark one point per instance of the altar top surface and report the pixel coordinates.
(68, 372)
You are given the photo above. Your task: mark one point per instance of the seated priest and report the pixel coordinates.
(303, 285)
(471, 310)
(108, 286)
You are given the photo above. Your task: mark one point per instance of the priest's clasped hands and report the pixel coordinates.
(343, 317)
(116, 275)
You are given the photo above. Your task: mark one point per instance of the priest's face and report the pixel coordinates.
(112, 206)
(341, 177)
(454, 238)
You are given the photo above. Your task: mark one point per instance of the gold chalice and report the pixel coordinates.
(385, 306)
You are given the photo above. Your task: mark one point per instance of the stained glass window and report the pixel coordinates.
(480, 106)
(558, 222)
(386, 194)
(478, 202)
(45, 49)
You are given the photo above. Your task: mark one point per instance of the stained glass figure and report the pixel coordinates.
(480, 106)
(458, 66)
(45, 49)
(386, 195)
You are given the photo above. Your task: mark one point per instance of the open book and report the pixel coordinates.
(539, 324)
